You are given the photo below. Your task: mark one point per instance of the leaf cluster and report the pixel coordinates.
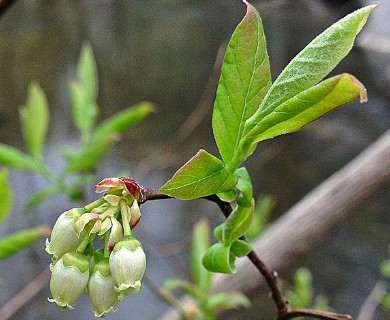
(250, 108)
(95, 142)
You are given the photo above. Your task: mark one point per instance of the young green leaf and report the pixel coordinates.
(14, 158)
(385, 268)
(313, 63)
(200, 244)
(84, 110)
(189, 288)
(121, 121)
(240, 248)
(301, 295)
(226, 301)
(17, 241)
(219, 259)
(245, 79)
(237, 223)
(218, 231)
(87, 158)
(34, 118)
(87, 73)
(201, 176)
(41, 195)
(244, 184)
(308, 106)
(6, 195)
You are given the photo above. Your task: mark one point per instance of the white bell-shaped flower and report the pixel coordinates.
(69, 279)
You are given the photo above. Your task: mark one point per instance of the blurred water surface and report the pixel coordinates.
(164, 51)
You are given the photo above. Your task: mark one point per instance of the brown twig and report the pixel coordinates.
(270, 276)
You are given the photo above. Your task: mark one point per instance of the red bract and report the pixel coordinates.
(127, 184)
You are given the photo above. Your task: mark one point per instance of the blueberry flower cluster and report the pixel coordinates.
(106, 274)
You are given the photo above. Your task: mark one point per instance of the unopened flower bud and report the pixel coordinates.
(63, 236)
(116, 234)
(69, 279)
(101, 289)
(135, 214)
(127, 265)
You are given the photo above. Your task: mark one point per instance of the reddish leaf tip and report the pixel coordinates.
(362, 88)
(249, 8)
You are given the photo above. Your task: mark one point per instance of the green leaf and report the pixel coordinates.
(201, 176)
(240, 248)
(34, 119)
(244, 184)
(172, 284)
(245, 79)
(87, 73)
(385, 268)
(41, 195)
(219, 259)
(313, 63)
(84, 94)
(303, 286)
(308, 106)
(385, 302)
(226, 301)
(218, 231)
(237, 223)
(84, 110)
(87, 158)
(6, 195)
(17, 241)
(121, 121)
(14, 158)
(200, 244)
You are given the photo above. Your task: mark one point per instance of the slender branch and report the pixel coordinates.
(152, 194)
(270, 276)
(315, 314)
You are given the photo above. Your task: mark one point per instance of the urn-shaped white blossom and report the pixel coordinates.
(63, 236)
(101, 289)
(69, 279)
(127, 265)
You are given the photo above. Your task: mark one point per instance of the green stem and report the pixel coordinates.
(87, 238)
(106, 252)
(95, 204)
(125, 212)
